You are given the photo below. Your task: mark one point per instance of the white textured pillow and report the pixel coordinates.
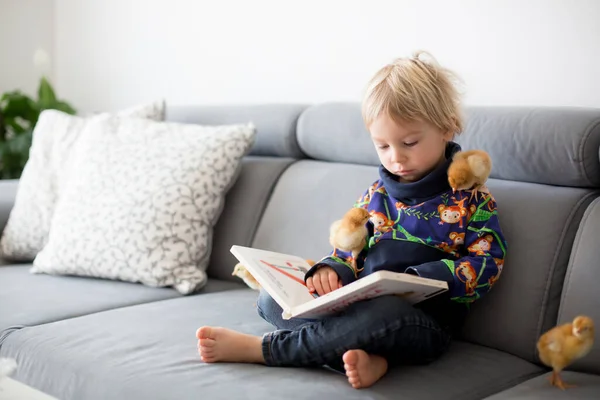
(28, 224)
(141, 201)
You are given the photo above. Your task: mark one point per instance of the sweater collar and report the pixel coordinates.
(428, 187)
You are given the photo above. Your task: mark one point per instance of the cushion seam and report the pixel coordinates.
(557, 252)
(582, 146)
(267, 197)
(572, 261)
(507, 385)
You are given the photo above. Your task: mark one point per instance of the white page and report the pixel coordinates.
(280, 274)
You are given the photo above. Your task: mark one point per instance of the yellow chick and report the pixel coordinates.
(562, 345)
(469, 170)
(241, 272)
(350, 233)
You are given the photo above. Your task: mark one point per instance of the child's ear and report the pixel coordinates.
(448, 136)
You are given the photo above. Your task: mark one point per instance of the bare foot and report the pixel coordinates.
(362, 369)
(220, 344)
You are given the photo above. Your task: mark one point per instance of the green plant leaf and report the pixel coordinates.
(10, 162)
(21, 143)
(46, 96)
(17, 104)
(64, 107)
(17, 126)
(18, 116)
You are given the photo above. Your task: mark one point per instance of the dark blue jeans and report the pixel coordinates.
(388, 326)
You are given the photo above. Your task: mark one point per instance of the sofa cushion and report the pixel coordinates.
(304, 203)
(141, 201)
(580, 294)
(244, 206)
(588, 387)
(28, 299)
(540, 224)
(149, 351)
(526, 143)
(526, 297)
(275, 124)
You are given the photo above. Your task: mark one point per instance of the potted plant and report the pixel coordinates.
(18, 115)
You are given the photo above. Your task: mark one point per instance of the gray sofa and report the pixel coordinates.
(81, 338)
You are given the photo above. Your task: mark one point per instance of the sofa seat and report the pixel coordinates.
(31, 299)
(587, 387)
(149, 351)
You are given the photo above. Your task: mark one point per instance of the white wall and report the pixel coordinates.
(25, 26)
(114, 53)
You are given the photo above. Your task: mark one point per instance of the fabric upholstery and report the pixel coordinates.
(28, 299)
(582, 282)
(308, 197)
(275, 124)
(149, 351)
(526, 144)
(540, 224)
(588, 387)
(244, 206)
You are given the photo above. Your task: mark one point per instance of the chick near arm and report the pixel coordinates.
(350, 233)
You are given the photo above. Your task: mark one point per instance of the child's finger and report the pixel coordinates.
(317, 285)
(333, 280)
(309, 284)
(325, 283)
(340, 283)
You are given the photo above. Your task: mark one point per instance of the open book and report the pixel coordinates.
(282, 276)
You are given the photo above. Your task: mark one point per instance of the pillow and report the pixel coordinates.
(141, 200)
(28, 224)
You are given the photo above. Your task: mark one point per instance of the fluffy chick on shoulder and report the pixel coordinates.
(469, 170)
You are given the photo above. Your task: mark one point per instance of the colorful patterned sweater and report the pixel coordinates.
(424, 228)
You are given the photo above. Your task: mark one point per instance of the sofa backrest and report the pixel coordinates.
(548, 145)
(275, 124)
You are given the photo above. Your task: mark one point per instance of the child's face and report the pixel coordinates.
(409, 150)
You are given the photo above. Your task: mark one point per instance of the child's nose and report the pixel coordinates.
(398, 157)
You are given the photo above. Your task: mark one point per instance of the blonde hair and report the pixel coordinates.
(410, 89)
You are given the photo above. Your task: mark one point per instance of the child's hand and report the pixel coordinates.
(323, 281)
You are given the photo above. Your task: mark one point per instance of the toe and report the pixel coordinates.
(204, 332)
(350, 359)
(355, 383)
(207, 342)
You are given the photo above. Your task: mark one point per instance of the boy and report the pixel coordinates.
(417, 226)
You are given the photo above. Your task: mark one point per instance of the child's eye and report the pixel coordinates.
(382, 146)
(411, 144)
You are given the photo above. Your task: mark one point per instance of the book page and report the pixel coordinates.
(414, 289)
(281, 275)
